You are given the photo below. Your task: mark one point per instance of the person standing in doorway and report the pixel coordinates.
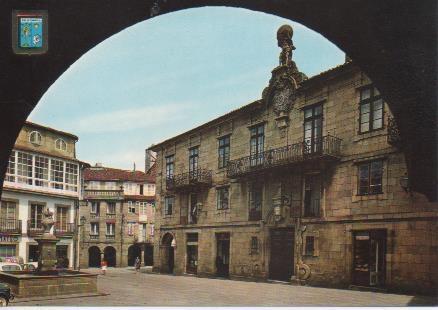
(103, 265)
(137, 264)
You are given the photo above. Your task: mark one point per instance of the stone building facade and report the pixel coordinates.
(307, 184)
(117, 217)
(43, 172)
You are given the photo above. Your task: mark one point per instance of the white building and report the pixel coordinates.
(43, 172)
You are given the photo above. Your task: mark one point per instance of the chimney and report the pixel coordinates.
(134, 166)
(98, 165)
(149, 159)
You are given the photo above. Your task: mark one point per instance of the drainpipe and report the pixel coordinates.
(75, 236)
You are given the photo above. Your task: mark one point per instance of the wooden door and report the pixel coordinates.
(281, 265)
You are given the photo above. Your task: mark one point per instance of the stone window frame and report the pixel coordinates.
(315, 235)
(322, 202)
(355, 175)
(165, 209)
(92, 231)
(61, 145)
(254, 245)
(218, 189)
(378, 187)
(371, 101)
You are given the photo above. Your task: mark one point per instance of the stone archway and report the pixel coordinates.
(109, 255)
(93, 257)
(167, 251)
(134, 251)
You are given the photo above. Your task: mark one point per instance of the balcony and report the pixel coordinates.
(94, 237)
(110, 237)
(104, 194)
(326, 148)
(191, 180)
(10, 226)
(393, 132)
(34, 228)
(64, 229)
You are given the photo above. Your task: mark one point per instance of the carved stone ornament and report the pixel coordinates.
(47, 222)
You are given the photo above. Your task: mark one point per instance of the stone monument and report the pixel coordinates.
(284, 81)
(47, 244)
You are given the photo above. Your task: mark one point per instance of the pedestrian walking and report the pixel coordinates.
(103, 265)
(137, 264)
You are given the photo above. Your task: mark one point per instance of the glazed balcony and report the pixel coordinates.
(104, 194)
(10, 226)
(326, 148)
(393, 132)
(64, 229)
(192, 180)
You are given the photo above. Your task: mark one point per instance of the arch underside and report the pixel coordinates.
(393, 42)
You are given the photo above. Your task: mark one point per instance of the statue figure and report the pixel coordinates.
(47, 221)
(284, 40)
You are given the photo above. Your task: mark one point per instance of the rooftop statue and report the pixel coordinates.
(284, 40)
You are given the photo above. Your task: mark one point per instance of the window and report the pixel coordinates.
(168, 205)
(131, 207)
(71, 177)
(95, 207)
(193, 160)
(222, 198)
(255, 202)
(8, 251)
(36, 215)
(110, 229)
(41, 171)
(57, 173)
(143, 207)
(8, 211)
(60, 145)
(370, 178)
(254, 245)
(371, 110)
(312, 195)
(313, 129)
(130, 228)
(141, 189)
(152, 231)
(111, 208)
(224, 151)
(24, 168)
(10, 172)
(94, 229)
(35, 137)
(309, 248)
(257, 144)
(61, 218)
(170, 166)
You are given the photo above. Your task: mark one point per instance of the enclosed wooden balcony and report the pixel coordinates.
(327, 148)
(192, 180)
(105, 194)
(10, 226)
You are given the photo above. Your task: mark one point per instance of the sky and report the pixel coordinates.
(166, 75)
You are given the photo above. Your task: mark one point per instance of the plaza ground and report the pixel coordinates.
(124, 287)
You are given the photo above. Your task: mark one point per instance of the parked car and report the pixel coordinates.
(28, 267)
(5, 294)
(10, 267)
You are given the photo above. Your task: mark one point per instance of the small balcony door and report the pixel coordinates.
(62, 218)
(257, 142)
(193, 163)
(313, 130)
(36, 215)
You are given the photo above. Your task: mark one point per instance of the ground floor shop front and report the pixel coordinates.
(397, 255)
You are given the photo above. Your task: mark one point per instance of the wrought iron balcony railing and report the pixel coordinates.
(393, 132)
(107, 194)
(10, 226)
(94, 236)
(327, 147)
(64, 229)
(34, 228)
(189, 180)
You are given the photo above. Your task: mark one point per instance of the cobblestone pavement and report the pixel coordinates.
(127, 288)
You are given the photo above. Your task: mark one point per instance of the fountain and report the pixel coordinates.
(47, 280)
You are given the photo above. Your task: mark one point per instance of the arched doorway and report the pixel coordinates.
(134, 251)
(168, 253)
(149, 255)
(109, 255)
(94, 257)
